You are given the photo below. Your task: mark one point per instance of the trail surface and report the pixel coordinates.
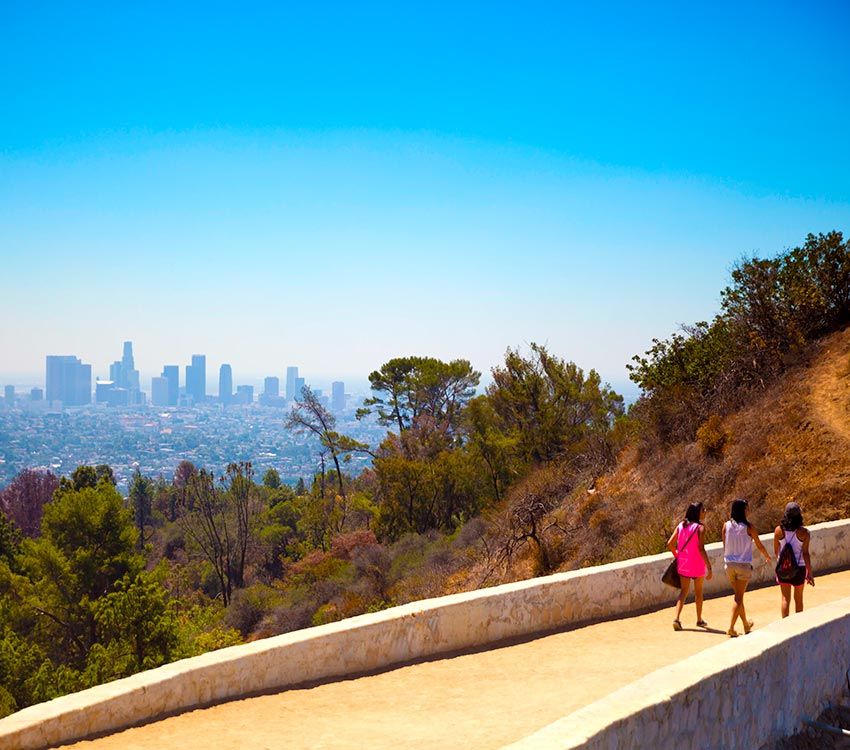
(476, 700)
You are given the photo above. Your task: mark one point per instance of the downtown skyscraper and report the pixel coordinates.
(196, 379)
(225, 384)
(68, 380)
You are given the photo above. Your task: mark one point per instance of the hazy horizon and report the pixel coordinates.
(340, 189)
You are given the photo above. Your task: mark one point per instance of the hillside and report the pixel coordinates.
(790, 442)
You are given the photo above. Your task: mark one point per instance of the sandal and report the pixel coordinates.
(748, 626)
(677, 625)
(702, 624)
(732, 633)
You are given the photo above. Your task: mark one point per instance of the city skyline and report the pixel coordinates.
(390, 182)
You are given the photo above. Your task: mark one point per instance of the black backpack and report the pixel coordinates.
(787, 567)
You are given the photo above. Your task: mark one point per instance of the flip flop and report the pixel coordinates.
(677, 625)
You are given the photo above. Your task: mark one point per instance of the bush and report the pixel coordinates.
(712, 437)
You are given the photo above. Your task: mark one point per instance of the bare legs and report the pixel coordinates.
(698, 598)
(785, 588)
(683, 594)
(739, 587)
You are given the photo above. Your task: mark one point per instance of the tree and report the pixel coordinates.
(183, 475)
(222, 522)
(406, 388)
(308, 415)
(141, 500)
(77, 609)
(23, 500)
(271, 479)
(550, 407)
(86, 546)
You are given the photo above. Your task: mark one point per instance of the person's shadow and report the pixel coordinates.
(715, 631)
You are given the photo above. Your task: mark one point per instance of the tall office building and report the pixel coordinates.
(338, 397)
(299, 386)
(68, 380)
(159, 391)
(9, 393)
(196, 378)
(172, 374)
(225, 384)
(271, 387)
(291, 383)
(123, 374)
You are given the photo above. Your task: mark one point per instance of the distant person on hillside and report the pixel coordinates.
(739, 535)
(794, 568)
(686, 544)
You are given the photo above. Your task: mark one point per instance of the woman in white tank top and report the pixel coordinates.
(791, 531)
(738, 539)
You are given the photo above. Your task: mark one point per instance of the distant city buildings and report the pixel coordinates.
(196, 379)
(338, 397)
(68, 381)
(271, 387)
(159, 391)
(271, 393)
(125, 376)
(225, 384)
(9, 396)
(245, 395)
(172, 374)
(122, 388)
(292, 389)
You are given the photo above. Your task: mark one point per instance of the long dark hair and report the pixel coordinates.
(738, 512)
(693, 513)
(792, 518)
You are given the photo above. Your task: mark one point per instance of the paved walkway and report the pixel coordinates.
(479, 700)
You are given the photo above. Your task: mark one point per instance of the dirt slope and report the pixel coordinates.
(791, 442)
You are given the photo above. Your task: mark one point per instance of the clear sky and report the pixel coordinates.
(331, 185)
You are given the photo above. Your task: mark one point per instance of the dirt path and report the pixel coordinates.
(479, 700)
(830, 388)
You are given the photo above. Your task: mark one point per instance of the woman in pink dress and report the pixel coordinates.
(686, 544)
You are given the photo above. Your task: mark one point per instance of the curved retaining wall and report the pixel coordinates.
(743, 694)
(376, 641)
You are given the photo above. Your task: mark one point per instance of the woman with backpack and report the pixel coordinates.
(739, 535)
(793, 564)
(686, 544)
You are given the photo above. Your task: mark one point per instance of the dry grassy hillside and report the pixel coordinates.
(791, 442)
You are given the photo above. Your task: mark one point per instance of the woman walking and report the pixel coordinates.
(738, 539)
(686, 544)
(791, 532)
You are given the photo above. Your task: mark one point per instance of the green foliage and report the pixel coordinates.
(77, 608)
(550, 409)
(10, 540)
(407, 388)
(271, 479)
(222, 523)
(141, 501)
(770, 311)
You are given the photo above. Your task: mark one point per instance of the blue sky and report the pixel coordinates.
(335, 185)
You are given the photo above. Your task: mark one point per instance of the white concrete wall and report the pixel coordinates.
(740, 695)
(376, 641)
